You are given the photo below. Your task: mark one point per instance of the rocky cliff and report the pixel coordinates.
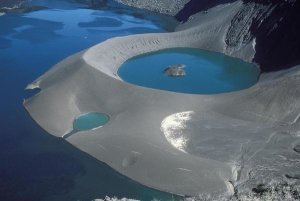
(272, 24)
(168, 7)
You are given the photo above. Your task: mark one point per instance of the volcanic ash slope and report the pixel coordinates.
(180, 143)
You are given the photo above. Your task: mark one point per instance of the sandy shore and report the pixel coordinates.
(216, 140)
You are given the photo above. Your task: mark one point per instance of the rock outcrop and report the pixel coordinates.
(175, 71)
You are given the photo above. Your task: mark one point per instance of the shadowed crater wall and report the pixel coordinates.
(195, 6)
(273, 23)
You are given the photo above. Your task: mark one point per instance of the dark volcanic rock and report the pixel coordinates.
(275, 25)
(277, 37)
(293, 176)
(297, 148)
(195, 6)
(175, 71)
(260, 189)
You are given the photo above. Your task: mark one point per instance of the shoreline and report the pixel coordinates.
(88, 82)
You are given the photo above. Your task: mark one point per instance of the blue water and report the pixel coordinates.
(35, 166)
(205, 72)
(90, 121)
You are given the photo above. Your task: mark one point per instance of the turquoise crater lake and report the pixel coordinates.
(89, 121)
(189, 70)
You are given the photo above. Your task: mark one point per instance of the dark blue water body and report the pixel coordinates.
(201, 72)
(34, 166)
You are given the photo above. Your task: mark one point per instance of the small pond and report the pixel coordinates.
(89, 121)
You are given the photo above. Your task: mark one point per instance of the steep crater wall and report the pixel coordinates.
(272, 25)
